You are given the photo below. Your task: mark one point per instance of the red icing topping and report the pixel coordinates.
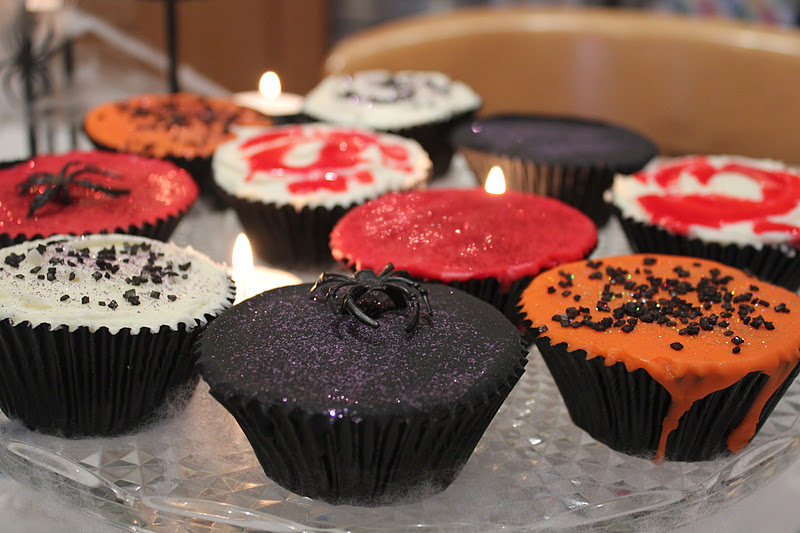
(780, 191)
(342, 155)
(158, 189)
(461, 234)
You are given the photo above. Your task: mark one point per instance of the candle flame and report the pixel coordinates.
(242, 265)
(269, 85)
(495, 181)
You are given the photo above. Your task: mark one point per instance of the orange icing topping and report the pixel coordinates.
(177, 125)
(695, 326)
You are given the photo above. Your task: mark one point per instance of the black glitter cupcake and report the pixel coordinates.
(369, 404)
(572, 159)
(96, 332)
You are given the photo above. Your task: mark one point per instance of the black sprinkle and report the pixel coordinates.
(85, 300)
(171, 297)
(65, 297)
(781, 308)
(737, 349)
(551, 290)
(113, 304)
(71, 276)
(35, 270)
(14, 260)
(737, 340)
(155, 294)
(649, 261)
(676, 346)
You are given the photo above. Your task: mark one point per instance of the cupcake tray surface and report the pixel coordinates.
(534, 470)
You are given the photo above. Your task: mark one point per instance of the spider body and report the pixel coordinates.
(56, 186)
(394, 283)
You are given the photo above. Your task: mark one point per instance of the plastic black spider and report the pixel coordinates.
(393, 283)
(57, 185)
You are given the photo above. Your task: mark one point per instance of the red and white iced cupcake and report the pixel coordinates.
(92, 192)
(740, 211)
(290, 184)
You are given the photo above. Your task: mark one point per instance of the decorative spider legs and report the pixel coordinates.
(394, 283)
(57, 185)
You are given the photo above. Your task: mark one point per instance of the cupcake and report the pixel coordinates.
(668, 357)
(184, 128)
(365, 391)
(290, 184)
(486, 244)
(740, 211)
(92, 192)
(417, 104)
(96, 332)
(572, 159)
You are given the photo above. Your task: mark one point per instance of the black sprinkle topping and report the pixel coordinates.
(676, 346)
(14, 260)
(85, 300)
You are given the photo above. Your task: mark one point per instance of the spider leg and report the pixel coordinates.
(40, 200)
(353, 309)
(413, 320)
(93, 170)
(330, 296)
(388, 268)
(102, 188)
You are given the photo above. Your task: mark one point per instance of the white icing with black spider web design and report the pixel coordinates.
(116, 281)
(389, 100)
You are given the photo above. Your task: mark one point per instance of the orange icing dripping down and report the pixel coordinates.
(706, 363)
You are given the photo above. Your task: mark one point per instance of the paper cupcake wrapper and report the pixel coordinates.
(161, 230)
(435, 139)
(580, 186)
(284, 236)
(624, 410)
(490, 290)
(777, 264)
(91, 383)
(371, 461)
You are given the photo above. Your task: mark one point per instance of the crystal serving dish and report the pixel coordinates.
(534, 470)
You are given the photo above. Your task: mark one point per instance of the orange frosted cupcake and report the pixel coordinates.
(665, 356)
(184, 128)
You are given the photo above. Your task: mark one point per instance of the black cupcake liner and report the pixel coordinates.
(777, 264)
(579, 186)
(284, 236)
(435, 139)
(161, 230)
(625, 410)
(369, 461)
(92, 383)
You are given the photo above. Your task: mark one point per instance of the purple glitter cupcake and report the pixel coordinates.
(368, 398)
(569, 158)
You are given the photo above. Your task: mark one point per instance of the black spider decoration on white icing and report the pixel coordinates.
(57, 185)
(394, 283)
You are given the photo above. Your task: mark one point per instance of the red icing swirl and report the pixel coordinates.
(678, 211)
(461, 234)
(340, 155)
(158, 189)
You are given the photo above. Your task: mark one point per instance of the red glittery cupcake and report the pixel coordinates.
(92, 192)
(489, 245)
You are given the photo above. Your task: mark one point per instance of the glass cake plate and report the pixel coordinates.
(534, 470)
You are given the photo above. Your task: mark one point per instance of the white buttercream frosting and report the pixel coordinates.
(756, 201)
(317, 165)
(387, 100)
(113, 281)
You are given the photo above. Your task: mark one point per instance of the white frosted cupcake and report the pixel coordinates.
(740, 211)
(96, 332)
(421, 105)
(290, 184)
